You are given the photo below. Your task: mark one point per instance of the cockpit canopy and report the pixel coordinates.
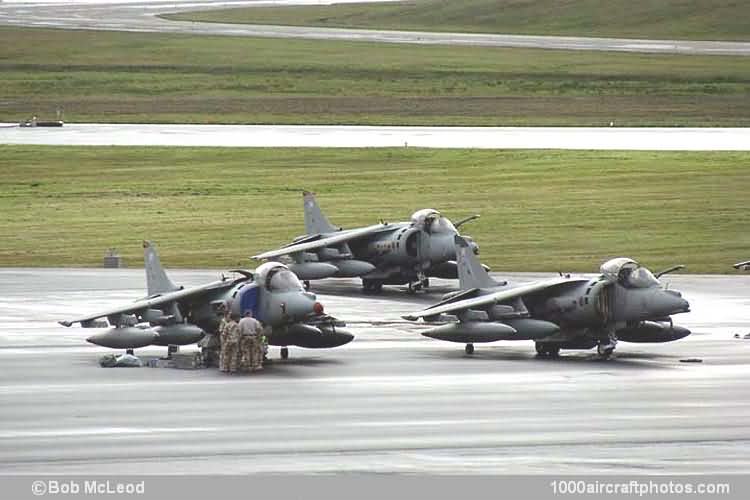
(432, 221)
(276, 277)
(628, 273)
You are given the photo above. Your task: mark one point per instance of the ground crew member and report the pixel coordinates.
(263, 349)
(224, 311)
(210, 344)
(250, 333)
(232, 337)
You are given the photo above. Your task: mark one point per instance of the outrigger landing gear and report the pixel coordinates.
(469, 349)
(545, 350)
(284, 353)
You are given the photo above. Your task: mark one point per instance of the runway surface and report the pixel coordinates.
(679, 139)
(392, 401)
(140, 16)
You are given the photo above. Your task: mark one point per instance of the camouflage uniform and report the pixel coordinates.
(210, 349)
(223, 344)
(250, 333)
(231, 354)
(261, 348)
(247, 346)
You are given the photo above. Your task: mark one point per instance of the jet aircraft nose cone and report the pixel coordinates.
(685, 306)
(671, 302)
(301, 306)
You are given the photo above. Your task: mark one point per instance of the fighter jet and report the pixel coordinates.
(172, 315)
(625, 302)
(745, 266)
(382, 254)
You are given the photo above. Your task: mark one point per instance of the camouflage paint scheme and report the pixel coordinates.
(173, 315)
(382, 254)
(625, 302)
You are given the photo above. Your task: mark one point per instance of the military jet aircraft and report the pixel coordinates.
(382, 254)
(626, 302)
(745, 266)
(172, 315)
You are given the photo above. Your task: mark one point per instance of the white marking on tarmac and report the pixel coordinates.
(100, 431)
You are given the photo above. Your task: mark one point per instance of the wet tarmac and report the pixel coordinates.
(141, 16)
(574, 138)
(391, 401)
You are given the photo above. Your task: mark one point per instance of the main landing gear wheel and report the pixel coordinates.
(469, 349)
(546, 350)
(284, 353)
(604, 351)
(372, 286)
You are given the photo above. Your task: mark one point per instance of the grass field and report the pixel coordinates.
(663, 19)
(541, 210)
(140, 77)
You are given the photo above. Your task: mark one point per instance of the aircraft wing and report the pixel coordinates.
(334, 239)
(156, 301)
(488, 300)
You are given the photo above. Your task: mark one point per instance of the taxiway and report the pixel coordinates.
(342, 136)
(142, 16)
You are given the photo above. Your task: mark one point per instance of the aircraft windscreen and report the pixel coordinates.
(424, 216)
(640, 277)
(442, 225)
(284, 280)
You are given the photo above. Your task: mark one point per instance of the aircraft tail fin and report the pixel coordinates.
(471, 273)
(157, 280)
(315, 221)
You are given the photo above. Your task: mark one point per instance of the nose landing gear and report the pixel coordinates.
(604, 350)
(415, 286)
(606, 346)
